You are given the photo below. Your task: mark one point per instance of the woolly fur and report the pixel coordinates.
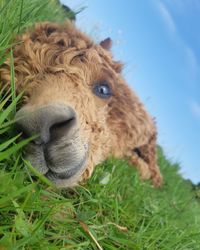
(58, 63)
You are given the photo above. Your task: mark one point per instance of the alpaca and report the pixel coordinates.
(79, 105)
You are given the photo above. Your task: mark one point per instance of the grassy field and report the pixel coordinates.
(113, 210)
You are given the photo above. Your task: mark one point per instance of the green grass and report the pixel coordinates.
(113, 210)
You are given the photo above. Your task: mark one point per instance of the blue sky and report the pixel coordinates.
(159, 42)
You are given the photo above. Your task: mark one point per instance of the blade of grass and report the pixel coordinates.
(38, 174)
(20, 15)
(3, 130)
(39, 224)
(12, 78)
(9, 197)
(3, 103)
(8, 143)
(7, 124)
(7, 153)
(9, 109)
(5, 6)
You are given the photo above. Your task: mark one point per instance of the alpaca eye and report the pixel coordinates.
(102, 89)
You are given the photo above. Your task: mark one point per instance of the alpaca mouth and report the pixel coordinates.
(61, 164)
(67, 174)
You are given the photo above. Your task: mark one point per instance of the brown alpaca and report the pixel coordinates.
(79, 104)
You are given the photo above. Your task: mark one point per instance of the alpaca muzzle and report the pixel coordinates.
(57, 151)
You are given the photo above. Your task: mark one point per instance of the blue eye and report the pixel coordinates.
(102, 89)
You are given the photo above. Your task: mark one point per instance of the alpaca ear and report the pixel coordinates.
(106, 43)
(136, 133)
(144, 157)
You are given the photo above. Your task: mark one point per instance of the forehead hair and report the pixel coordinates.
(51, 44)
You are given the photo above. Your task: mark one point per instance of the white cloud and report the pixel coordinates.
(192, 62)
(195, 106)
(192, 65)
(183, 5)
(167, 18)
(191, 56)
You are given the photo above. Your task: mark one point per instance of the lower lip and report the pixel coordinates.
(67, 174)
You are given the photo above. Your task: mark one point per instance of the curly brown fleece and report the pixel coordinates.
(55, 62)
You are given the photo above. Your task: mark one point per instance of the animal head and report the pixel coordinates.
(79, 105)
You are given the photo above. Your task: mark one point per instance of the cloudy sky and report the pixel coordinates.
(159, 42)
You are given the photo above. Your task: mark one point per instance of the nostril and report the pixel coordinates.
(59, 129)
(48, 123)
(62, 125)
